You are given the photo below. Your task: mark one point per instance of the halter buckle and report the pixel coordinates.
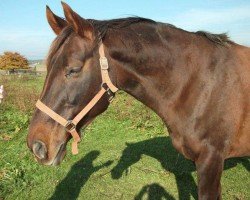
(104, 63)
(70, 126)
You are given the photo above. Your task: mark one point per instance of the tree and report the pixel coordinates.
(13, 60)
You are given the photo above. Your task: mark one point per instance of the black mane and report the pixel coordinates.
(103, 26)
(222, 39)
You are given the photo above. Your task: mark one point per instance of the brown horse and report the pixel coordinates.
(198, 83)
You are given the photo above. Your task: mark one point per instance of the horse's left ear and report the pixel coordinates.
(80, 25)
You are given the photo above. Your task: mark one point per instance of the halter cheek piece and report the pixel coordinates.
(70, 125)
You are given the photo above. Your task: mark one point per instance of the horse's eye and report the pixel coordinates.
(72, 71)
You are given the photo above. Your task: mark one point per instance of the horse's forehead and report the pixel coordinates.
(74, 45)
(76, 41)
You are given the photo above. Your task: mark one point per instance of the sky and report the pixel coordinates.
(24, 27)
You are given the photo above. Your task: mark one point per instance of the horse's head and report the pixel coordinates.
(73, 79)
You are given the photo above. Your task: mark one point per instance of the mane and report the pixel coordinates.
(221, 39)
(102, 26)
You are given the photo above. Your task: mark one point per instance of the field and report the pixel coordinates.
(126, 154)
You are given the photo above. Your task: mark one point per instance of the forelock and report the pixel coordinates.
(58, 42)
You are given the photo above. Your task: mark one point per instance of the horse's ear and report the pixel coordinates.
(56, 23)
(80, 25)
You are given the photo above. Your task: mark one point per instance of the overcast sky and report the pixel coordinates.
(24, 28)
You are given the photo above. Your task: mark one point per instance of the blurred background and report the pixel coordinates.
(24, 27)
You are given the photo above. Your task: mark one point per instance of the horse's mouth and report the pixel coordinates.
(60, 155)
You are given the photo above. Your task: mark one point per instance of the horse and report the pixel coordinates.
(197, 82)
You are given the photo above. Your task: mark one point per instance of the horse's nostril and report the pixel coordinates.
(39, 149)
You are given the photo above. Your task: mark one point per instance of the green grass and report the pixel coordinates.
(125, 154)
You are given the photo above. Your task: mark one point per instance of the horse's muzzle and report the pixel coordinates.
(40, 150)
(41, 153)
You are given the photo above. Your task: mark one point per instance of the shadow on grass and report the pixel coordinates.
(70, 186)
(159, 148)
(162, 150)
(154, 192)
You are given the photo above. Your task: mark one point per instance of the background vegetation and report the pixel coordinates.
(125, 154)
(13, 60)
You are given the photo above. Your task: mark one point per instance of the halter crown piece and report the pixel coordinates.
(70, 125)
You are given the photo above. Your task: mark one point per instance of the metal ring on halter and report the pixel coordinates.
(70, 126)
(108, 91)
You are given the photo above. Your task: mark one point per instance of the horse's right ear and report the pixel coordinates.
(56, 23)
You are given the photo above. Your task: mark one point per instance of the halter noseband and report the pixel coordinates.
(70, 125)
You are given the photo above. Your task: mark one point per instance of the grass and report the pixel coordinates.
(125, 154)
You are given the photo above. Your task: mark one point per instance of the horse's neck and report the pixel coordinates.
(153, 71)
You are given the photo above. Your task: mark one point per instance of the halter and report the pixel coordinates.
(70, 125)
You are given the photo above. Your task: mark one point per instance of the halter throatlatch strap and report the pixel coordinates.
(104, 69)
(70, 125)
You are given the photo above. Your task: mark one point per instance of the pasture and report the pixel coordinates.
(126, 153)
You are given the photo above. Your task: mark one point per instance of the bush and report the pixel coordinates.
(13, 60)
